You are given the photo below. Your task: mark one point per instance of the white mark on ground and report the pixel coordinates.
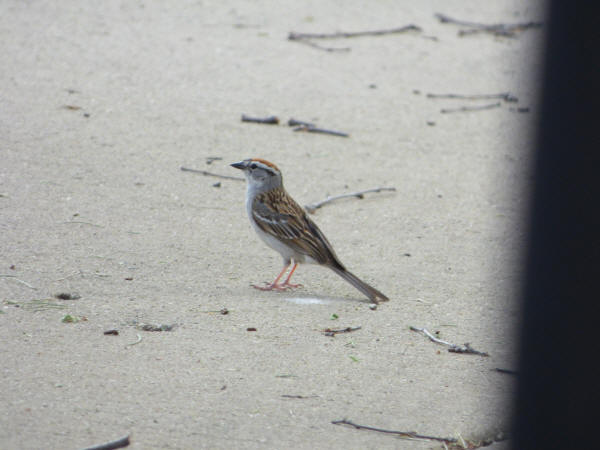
(308, 300)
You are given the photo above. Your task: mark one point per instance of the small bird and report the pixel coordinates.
(285, 227)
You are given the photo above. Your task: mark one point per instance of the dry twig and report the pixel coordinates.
(498, 29)
(305, 38)
(402, 434)
(83, 222)
(294, 123)
(299, 396)
(454, 348)
(322, 47)
(330, 332)
(313, 129)
(311, 208)
(210, 174)
(119, 443)
(506, 96)
(271, 120)
(470, 108)
(293, 36)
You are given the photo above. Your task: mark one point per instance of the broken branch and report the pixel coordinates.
(454, 348)
(360, 194)
(294, 123)
(469, 108)
(298, 396)
(321, 47)
(506, 96)
(119, 443)
(271, 120)
(210, 174)
(304, 38)
(403, 434)
(498, 29)
(313, 129)
(293, 36)
(330, 332)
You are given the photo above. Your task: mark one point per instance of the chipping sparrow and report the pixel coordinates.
(285, 226)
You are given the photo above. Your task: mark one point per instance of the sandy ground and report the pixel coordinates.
(102, 105)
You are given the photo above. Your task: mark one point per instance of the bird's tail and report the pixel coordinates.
(374, 295)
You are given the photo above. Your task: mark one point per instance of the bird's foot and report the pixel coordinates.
(292, 286)
(272, 287)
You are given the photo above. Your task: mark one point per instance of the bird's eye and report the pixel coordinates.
(253, 166)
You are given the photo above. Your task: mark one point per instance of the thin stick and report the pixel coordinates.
(299, 396)
(313, 129)
(454, 348)
(506, 371)
(360, 194)
(320, 47)
(84, 223)
(293, 36)
(294, 123)
(466, 349)
(210, 174)
(271, 120)
(119, 443)
(499, 29)
(82, 273)
(469, 108)
(19, 281)
(404, 434)
(330, 332)
(223, 311)
(506, 96)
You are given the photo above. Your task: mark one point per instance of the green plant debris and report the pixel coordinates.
(334, 316)
(70, 319)
(153, 327)
(353, 358)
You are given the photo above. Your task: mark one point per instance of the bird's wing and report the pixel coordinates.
(277, 214)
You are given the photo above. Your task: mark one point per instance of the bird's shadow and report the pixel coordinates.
(316, 299)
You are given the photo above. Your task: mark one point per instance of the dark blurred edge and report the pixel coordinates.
(557, 396)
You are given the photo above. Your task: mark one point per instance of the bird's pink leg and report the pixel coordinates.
(287, 283)
(275, 286)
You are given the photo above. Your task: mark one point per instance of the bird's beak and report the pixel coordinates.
(239, 165)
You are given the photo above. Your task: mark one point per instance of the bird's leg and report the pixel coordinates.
(287, 283)
(275, 286)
